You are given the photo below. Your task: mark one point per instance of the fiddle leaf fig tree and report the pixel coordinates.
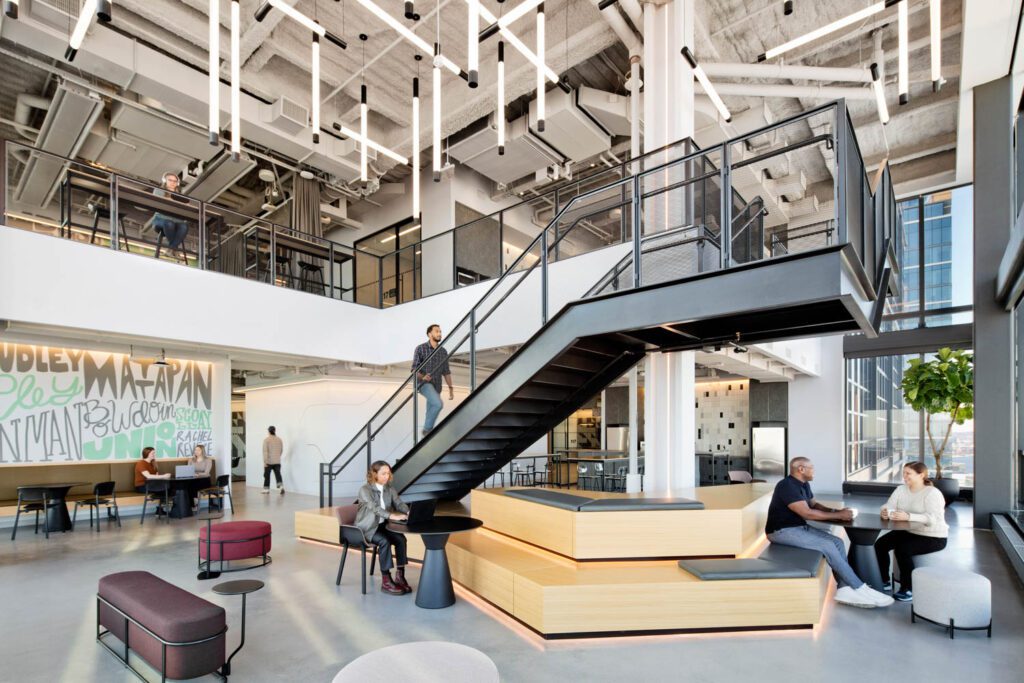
(941, 386)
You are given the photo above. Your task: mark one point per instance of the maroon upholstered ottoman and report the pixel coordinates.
(141, 610)
(236, 541)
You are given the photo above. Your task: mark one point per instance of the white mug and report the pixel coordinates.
(854, 511)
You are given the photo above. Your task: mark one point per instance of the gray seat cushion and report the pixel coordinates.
(607, 504)
(566, 501)
(807, 560)
(747, 568)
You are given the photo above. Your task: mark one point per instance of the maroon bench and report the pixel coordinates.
(236, 541)
(179, 634)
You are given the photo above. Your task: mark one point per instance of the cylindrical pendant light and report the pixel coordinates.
(410, 10)
(904, 57)
(11, 8)
(541, 83)
(363, 133)
(473, 49)
(236, 85)
(214, 72)
(316, 88)
(436, 102)
(500, 111)
(416, 149)
(935, 20)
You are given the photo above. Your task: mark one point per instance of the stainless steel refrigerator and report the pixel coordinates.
(769, 453)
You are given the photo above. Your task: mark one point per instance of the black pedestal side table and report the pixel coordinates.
(241, 587)
(435, 589)
(205, 574)
(863, 531)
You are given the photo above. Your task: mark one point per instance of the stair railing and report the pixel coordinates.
(635, 193)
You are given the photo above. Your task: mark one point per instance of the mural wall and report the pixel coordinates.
(70, 405)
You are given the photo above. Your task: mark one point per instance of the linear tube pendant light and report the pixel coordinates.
(541, 85)
(705, 83)
(263, 10)
(836, 25)
(435, 98)
(214, 72)
(416, 148)
(879, 88)
(408, 35)
(316, 88)
(236, 85)
(354, 135)
(11, 8)
(362, 132)
(500, 111)
(935, 23)
(904, 57)
(101, 9)
(518, 11)
(473, 48)
(514, 41)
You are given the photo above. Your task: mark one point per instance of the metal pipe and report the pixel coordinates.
(635, 14)
(787, 71)
(619, 25)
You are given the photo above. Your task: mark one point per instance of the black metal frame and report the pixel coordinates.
(164, 644)
(951, 627)
(95, 502)
(200, 542)
(46, 503)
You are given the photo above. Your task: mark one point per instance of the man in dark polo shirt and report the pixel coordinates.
(431, 364)
(792, 506)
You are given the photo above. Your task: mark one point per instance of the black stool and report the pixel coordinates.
(99, 212)
(284, 269)
(310, 276)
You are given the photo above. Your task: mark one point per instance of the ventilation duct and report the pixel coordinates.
(65, 128)
(218, 175)
(525, 153)
(611, 111)
(568, 128)
(288, 115)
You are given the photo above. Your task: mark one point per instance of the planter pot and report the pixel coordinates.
(949, 488)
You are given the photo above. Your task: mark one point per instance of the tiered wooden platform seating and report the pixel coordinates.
(537, 563)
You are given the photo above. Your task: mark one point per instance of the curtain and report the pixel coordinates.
(306, 207)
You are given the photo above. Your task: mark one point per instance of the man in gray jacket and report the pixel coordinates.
(273, 447)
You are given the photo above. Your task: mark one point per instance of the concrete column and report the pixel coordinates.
(993, 326)
(220, 419)
(670, 422)
(817, 415)
(669, 418)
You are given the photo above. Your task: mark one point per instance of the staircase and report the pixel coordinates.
(689, 286)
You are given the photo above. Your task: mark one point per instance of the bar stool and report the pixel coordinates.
(522, 477)
(284, 269)
(98, 212)
(587, 480)
(310, 276)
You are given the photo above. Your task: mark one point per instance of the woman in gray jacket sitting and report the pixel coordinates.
(378, 504)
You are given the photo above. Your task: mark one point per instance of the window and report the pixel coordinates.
(883, 434)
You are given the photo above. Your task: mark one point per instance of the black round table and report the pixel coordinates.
(57, 517)
(241, 587)
(863, 531)
(205, 574)
(184, 491)
(435, 589)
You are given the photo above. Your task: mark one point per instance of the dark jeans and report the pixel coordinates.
(384, 539)
(141, 489)
(904, 545)
(267, 469)
(173, 230)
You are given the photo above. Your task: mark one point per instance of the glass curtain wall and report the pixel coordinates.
(883, 434)
(387, 267)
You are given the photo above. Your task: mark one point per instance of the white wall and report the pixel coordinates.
(817, 413)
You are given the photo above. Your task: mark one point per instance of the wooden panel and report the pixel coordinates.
(542, 525)
(657, 533)
(318, 525)
(754, 517)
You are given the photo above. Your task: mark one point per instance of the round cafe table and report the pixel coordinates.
(57, 517)
(435, 589)
(425, 662)
(863, 531)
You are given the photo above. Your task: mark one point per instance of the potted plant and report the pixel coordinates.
(941, 386)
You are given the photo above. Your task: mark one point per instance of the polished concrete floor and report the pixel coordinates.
(301, 627)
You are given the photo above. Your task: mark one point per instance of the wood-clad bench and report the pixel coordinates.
(121, 472)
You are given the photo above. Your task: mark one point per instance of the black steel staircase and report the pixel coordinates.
(701, 267)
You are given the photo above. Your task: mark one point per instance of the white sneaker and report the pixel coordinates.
(880, 599)
(848, 596)
(280, 489)
(265, 490)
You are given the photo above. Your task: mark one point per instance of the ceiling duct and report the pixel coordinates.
(611, 111)
(568, 128)
(287, 115)
(218, 175)
(64, 131)
(525, 153)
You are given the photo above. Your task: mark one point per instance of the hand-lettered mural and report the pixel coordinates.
(70, 405)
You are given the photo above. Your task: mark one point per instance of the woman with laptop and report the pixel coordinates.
(202, 463)
(379, 504)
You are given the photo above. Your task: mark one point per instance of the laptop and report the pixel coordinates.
(421, 511)
(184, 471)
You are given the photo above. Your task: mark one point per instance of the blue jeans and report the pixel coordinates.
(825, 543)
(434, 405)
(174, 231)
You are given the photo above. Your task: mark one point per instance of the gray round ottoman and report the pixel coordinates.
(421, 662)
(953, 598)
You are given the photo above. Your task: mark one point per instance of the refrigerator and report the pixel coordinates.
(768, 453)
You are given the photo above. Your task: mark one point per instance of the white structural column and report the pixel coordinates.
(669, 415)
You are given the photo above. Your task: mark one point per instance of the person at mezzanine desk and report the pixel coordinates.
(173, 229)
(379, 503)
(792, 506)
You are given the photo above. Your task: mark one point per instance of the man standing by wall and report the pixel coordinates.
(429, 368)
(273, 447)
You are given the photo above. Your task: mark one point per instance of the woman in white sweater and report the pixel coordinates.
(919, 502)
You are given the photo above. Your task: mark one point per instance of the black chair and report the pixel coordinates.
(350, 535)
(284, 269)
(102, 494)
(221, 491)
(34, 500)
(158, 491)
(311, 278)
